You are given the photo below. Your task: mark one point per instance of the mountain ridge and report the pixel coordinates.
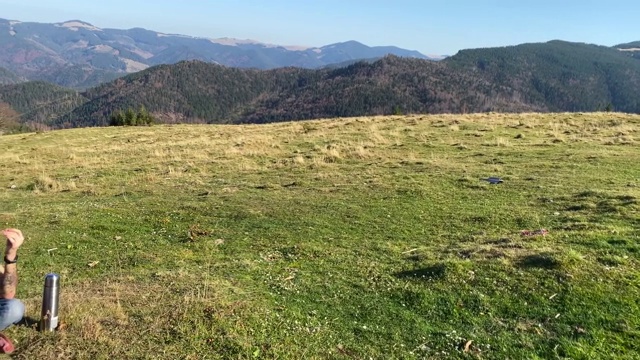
(80, 55)
(556, 76)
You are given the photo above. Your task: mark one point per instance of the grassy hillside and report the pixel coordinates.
(370, 237)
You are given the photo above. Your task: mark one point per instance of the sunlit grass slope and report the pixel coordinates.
(347, 238)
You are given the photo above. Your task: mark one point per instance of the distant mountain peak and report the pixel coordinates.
(159, 34)
(238, 42)
(344, 43)
(351, 42)
(75, 25)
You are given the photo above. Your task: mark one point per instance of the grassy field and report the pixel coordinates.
(360, 238)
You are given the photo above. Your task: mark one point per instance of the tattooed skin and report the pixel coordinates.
(9, 282)
(9, 279)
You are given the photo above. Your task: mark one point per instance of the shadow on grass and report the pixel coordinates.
(428, 273)
(539, 261)
(601, 203)
(29, 322)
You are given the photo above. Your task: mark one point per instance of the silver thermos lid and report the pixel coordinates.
(52, 280)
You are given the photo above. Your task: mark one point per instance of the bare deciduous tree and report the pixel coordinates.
(8, 116)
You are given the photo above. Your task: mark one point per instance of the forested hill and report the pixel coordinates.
(561, 75)
(40, 102)
(554, 76)
(632, 49)
(199, 92)
(190, 91)
(631, 45)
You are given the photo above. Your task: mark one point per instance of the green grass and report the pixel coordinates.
(348, 238)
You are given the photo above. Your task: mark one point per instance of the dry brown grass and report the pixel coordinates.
(177, 153)
(112, 318)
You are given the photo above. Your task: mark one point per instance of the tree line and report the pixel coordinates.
(131, 117)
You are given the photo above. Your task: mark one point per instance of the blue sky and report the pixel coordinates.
(432, 27)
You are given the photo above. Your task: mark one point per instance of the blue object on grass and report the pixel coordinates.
(494, 180)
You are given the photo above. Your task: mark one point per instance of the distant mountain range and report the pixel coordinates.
(7, 77)
(79, 55)
(556, 76)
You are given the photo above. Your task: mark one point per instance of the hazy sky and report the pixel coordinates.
(432, 27)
